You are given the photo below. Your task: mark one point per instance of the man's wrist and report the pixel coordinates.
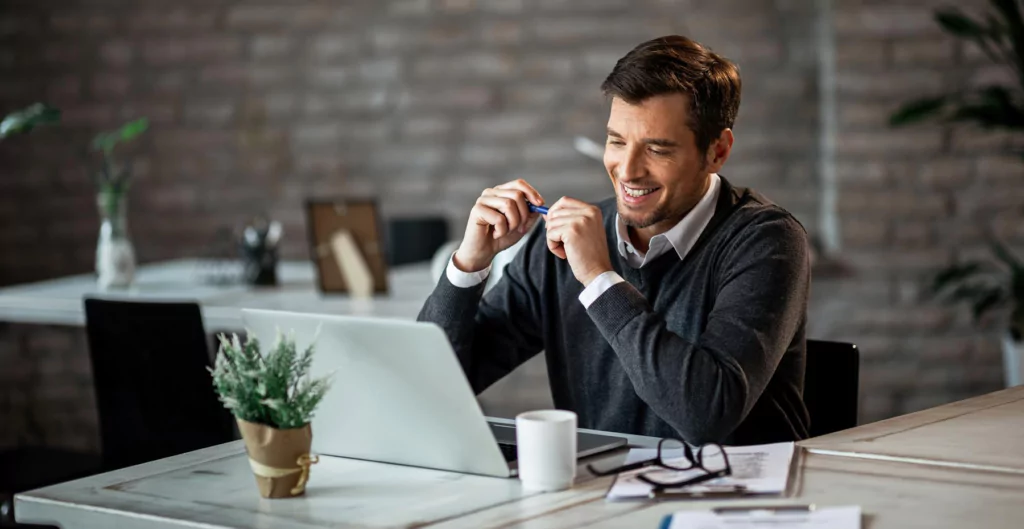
(591, 276)
(469, 266)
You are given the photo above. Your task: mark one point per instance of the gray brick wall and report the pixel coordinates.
(257, 105)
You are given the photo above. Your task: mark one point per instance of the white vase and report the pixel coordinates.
(115, 256)
(1013, 361)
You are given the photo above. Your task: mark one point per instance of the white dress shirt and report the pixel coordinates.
(680, 237)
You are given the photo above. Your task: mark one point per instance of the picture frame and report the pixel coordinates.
(359, 221)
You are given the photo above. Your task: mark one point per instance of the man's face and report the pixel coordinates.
(653, 161)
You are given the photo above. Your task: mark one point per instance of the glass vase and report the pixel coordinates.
(115, 256)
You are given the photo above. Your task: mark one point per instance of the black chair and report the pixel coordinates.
(154, 394)
(412, 240)
(28, 468)
(830, 386)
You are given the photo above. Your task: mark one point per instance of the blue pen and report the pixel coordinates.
(543, 210)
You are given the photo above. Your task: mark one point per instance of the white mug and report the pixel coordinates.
(546, 449)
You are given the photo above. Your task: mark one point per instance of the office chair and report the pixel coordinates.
(830, 386)
(154, 394)
(412, 240)
(24, 469)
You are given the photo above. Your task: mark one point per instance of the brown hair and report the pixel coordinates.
(676, 64)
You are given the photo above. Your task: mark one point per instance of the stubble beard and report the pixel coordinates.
(649, 219)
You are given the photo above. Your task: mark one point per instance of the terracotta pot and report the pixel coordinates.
(279, 459)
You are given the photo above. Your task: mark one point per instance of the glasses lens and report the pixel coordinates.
(674, 454)
(712, 458)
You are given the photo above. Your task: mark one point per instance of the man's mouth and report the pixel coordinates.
(636, 193)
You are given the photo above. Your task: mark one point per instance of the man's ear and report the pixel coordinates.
(718, 151)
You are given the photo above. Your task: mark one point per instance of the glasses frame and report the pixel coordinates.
(695, 458)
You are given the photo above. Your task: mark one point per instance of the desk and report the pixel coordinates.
(59, 301)
(985, 432)
(213, 488)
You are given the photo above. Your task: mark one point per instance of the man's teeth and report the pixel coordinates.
(638, 192)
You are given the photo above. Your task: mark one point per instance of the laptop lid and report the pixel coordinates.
(398, 394)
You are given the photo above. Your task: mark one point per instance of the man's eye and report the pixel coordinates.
(659, 153)
(616, 142)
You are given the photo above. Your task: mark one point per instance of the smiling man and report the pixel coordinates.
(676, 308)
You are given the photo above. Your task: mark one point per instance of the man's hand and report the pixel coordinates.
(576, 233)
(499, 219)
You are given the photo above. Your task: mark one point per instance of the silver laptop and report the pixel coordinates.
(399, 395)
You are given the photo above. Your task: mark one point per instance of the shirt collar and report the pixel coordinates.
(680, 237)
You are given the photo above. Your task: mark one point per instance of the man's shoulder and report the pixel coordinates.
(754, 209)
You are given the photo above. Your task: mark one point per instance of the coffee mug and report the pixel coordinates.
(546, 449)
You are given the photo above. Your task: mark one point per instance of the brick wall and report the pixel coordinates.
(257, 105)
(909, 201)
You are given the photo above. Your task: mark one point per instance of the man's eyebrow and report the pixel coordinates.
(657, 142)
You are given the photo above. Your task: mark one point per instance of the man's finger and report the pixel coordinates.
(531, 194)
(520, 199)
(493, 218)
(505, 206)
(555, 244)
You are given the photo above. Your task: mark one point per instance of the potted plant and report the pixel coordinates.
(25, 120)
(989, 287)
(1000, 36)
(115, 256)
(273, 399)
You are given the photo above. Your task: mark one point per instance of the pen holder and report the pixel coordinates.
(259, 265)
(259, 252)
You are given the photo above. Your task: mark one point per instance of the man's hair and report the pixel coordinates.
(676, 64)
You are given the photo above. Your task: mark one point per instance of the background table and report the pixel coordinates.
(60, 301)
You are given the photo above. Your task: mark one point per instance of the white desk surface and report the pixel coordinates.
(214, 488)
(985, 432)
(59, 301)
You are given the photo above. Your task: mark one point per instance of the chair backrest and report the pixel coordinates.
(411, 240)
(154, 394)
(830, 386)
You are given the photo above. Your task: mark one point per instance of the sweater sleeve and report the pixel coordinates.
(492, 334)
(705, 389)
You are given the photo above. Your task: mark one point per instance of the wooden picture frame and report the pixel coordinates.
(359, 220)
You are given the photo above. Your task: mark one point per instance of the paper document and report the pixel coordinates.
(824, 518)
(760, 469)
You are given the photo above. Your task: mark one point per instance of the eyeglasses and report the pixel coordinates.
(673, 456)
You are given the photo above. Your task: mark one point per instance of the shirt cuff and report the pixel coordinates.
(465, 279)
(597, 287)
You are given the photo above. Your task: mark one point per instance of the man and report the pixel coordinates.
(676, 308)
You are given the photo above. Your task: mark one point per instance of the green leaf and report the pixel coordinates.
(959, 24)
(1007, 257)
(106, 142)
(1010, 12)
(130, 130)
(971, 292)
(991, 107)
(25, 120)
(955, 274)
(987, 302)
(918, 110)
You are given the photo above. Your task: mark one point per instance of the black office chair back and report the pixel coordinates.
(153, 391)
(830, 386)
(413, 240)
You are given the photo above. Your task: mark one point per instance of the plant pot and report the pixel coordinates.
(279, 459)
(1013, 361)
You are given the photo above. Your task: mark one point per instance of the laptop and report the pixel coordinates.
(398, 395)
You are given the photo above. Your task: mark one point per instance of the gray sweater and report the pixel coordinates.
(709, 348)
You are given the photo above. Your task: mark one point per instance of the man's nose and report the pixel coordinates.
(631, 166)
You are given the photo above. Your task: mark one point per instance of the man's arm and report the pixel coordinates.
(705, 389)
(493, 336)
